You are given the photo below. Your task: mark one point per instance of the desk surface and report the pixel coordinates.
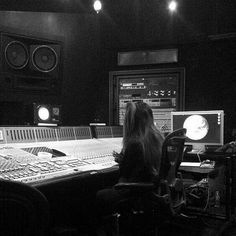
(196, 169)
(192, 160)
(200, 156)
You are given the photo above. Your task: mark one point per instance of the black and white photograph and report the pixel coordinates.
(117, 118)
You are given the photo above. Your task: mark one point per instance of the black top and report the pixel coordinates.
(132, 165)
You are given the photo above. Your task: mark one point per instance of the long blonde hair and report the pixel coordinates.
(139, 125)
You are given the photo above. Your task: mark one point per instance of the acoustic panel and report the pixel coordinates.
(148, 57)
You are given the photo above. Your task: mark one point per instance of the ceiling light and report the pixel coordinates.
(172, 6)
(97, 5)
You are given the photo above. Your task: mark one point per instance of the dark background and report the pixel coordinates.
(203, 31)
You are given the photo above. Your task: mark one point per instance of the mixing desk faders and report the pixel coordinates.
(26, 165)
(40, 170)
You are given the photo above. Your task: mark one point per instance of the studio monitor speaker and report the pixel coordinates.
(47, 114)
(31, 63)
(42, 114)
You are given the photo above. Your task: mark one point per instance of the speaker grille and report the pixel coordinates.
(16, 55)
(44, 58)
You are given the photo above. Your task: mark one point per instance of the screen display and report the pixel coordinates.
(203, 127)
(161, 93)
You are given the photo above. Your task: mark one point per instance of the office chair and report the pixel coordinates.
(24, 210)
(172, 155)
(153, 204)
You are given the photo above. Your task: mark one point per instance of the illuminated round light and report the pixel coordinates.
(43, 113)
(172, 6)
(197, 127)
(97, 5)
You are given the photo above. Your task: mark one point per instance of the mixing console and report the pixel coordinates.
(100, 152)
(39, 170)
(22, 162)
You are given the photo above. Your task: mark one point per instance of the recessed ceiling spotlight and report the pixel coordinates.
(97, 5)
(172, 6)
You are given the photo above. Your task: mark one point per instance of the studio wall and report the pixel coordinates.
(202, 31)
(204, 34)
(74, 40)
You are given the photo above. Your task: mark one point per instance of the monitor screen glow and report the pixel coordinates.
(203, 127)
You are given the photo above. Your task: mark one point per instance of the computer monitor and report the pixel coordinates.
(203, 127)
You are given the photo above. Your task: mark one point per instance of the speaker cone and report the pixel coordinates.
(43, 113)
(44, 58)
(16, 55)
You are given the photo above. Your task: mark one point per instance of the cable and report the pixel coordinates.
(208, 195)
(199, 158)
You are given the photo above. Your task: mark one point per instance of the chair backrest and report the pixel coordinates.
(24, 210)
(172, 154)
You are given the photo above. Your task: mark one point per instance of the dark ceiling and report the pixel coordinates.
(68, 6)
(145, 20)
(79, 6)
(126, 12)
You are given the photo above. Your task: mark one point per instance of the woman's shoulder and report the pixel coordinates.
(157, 135)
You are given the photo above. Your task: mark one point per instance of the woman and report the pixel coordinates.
(142, 142)
(140, 158)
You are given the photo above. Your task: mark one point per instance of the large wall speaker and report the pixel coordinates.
(31, 63)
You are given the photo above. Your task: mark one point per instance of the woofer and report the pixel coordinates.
(16, 55)
(44, 58)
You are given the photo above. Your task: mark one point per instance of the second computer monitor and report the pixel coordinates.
(203, 127)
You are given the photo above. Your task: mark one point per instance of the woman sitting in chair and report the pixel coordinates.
(140, 158)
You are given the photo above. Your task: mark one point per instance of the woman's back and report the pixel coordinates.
(142, 144)
(141, 160)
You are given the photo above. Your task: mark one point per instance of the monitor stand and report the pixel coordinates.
(198, 147)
